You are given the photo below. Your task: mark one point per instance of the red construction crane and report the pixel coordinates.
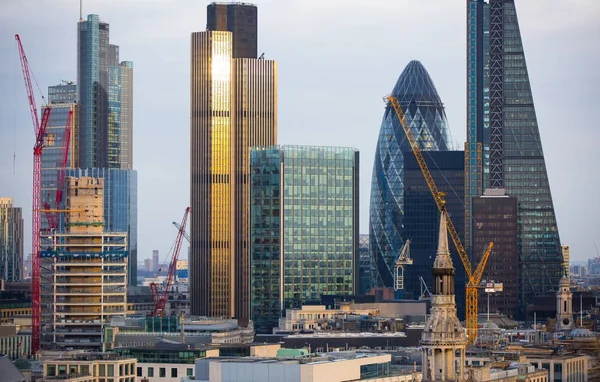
(160, 298)
(62, 167)
(39, 129)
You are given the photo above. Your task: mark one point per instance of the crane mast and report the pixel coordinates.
(160, 297)
(39, 129)
(473, 278)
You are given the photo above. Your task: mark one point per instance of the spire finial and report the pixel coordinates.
(443, 236)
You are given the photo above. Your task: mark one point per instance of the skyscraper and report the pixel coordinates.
(503, 148)
(233, 107)
(421, 218)
(239, 18)
(105, 96)
(426, 115)
(303, 227)
(61, 100)
(155, 260)
(11, 241)
(105, 136)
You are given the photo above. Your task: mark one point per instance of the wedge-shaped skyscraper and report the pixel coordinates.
(426, 115)
(503, 149)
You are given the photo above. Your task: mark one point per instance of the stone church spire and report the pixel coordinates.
(443, 340)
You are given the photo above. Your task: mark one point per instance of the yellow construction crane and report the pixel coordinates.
(473, 278)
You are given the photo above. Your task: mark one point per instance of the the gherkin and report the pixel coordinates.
(425, 113)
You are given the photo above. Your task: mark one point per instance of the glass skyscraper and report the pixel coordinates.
(425, 113)
(503, 148)
(120, 207)
(11, 241)
(105, 97)
(61, 100)
(233, 107)
(303, 227)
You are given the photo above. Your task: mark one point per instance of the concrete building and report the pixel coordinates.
(331, 367)
(565, 368)
(11, 241)
(443, 340)
(233, 107)
(155, 260)
(90, 367)
(83, 274)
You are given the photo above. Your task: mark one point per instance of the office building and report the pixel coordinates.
(444, 340)
(239, 18)
(504, 148)
(148, 265)
(425, 113)
(233, 107)
(155, 260)
(105, 95)
(11, 241)
(422, 217)
(496, 217)
(62, 99)
(303, 227)
(83, 273)
(120, 207)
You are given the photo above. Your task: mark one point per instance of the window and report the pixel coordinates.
(173, 372)
(162, 372)
(189, 372)
(139, 371)
(150, 372)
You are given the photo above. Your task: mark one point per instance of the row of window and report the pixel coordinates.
(162, 372)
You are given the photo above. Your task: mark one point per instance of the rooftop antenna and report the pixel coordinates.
(80, 10)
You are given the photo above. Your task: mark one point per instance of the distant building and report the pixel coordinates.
(496, 215)
(148, 265)
(182, 271)
(11, 241)
(83, 273)
(15, 342)
(303, 227)
(155, 260)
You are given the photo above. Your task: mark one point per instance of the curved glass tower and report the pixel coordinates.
(425, 113)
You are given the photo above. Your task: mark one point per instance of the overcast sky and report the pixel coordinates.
(337, 58)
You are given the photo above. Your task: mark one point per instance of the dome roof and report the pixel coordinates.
(582, 333)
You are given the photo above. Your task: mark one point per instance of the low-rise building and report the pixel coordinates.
(90, 367)
(563, 368)
(331, 367)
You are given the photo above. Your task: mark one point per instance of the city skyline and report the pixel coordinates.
(311, 86)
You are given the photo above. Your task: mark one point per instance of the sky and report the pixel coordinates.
(337, 59)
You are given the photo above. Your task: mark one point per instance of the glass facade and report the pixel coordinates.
(422, 218)
(503, 121)
(11, 241)
(425, 113)
(239, 18)
(303, 227)
(233, 107)
(62, 100)
(366, 271)
(105, 97)
(120, 207)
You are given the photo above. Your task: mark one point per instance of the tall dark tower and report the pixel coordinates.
(239, 18)
(503, 149)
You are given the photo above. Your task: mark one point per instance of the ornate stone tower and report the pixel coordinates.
(443, 340)
(564, 305)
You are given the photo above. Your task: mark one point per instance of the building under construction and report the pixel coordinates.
(83, 272)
